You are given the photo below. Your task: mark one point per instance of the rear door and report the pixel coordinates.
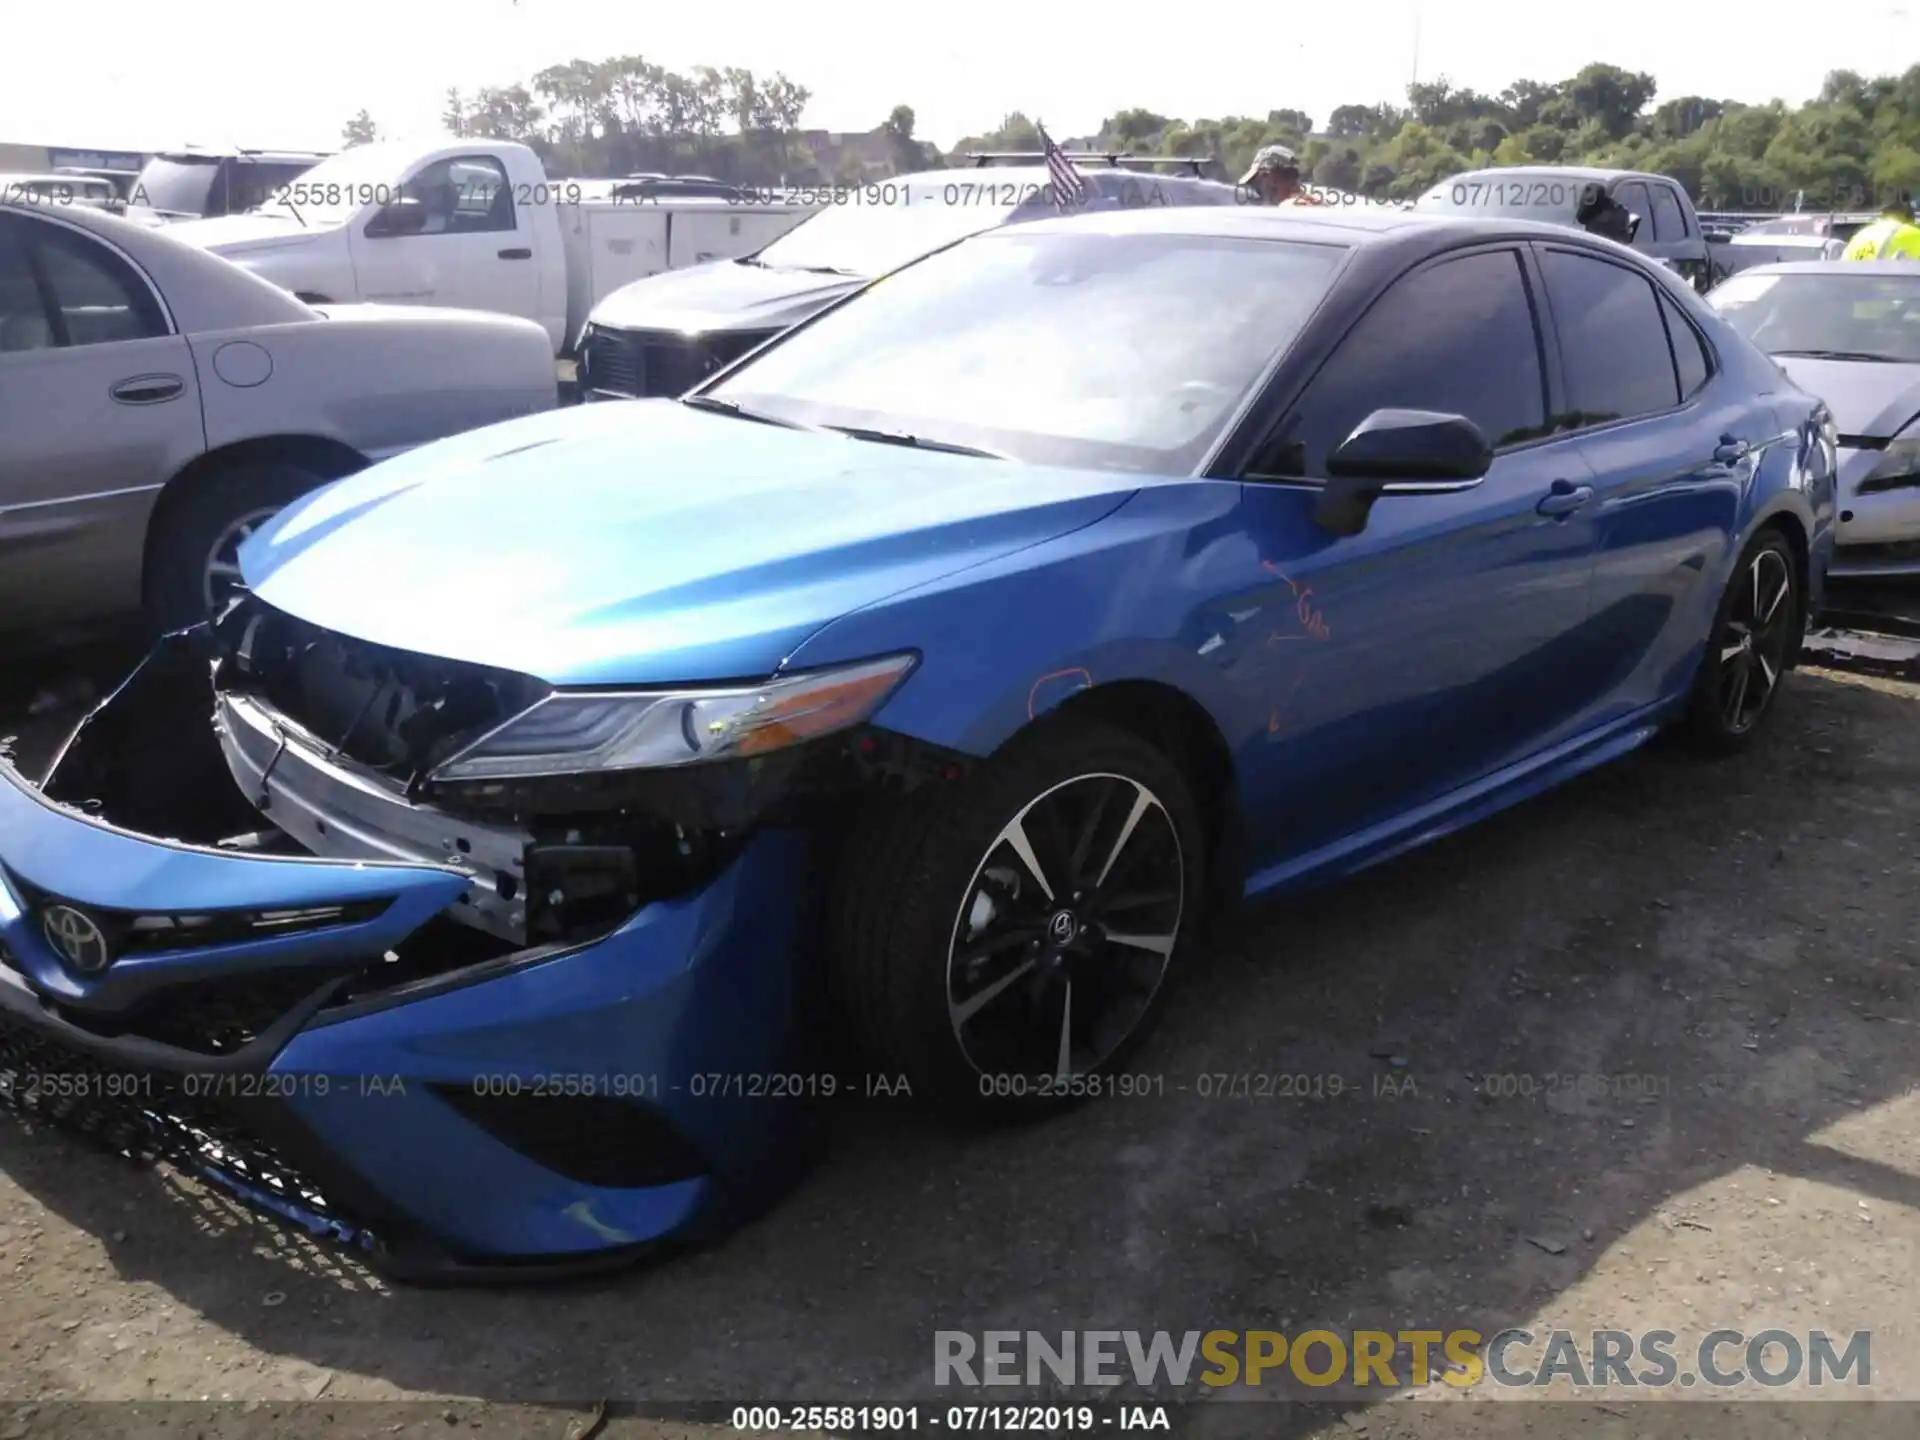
(1676, 236)
(1444, 641)
(99, 405)
(1670, 450)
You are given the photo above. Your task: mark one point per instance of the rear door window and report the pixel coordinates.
(1613, 342)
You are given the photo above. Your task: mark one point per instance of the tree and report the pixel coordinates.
(453, 116)
(360, 130)
(898, 130)
(1610, 96)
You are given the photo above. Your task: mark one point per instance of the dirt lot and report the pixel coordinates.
(1741, 937)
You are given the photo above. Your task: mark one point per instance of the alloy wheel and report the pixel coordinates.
(223, 580)
(1755, 641)
(1065, 933)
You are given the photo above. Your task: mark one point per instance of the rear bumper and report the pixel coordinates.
(544, 1109)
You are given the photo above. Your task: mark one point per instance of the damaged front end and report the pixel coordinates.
(281, 872)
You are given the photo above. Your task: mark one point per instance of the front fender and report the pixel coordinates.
(1128, 598)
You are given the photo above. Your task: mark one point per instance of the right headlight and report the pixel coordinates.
(571, 733)
(1897, 468)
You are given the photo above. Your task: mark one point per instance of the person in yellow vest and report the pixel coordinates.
(1893, 236)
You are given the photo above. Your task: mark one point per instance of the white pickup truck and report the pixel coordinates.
(477, 224)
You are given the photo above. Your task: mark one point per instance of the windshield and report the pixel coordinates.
(175, 185)
(1555, 201)
(1866, 314)
(1121, 352)
(872, 238)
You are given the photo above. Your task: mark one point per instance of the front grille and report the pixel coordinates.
(395, 712)
(148, 1116)
(646, 364)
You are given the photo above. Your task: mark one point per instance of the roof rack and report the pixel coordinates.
(1113, 158)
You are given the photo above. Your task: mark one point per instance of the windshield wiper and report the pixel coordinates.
(1846, 355)
(825, 270)
(739, 411)
(915, 442)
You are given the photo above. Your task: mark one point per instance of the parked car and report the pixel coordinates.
(661, 336)
(195, 184)
(955, 657)
(59, 190)
(1668, 230)
(1850, 333)
(1790, 237)
(157, 403)
(477, 224)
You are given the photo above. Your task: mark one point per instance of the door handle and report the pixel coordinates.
(1731, 451)
(1564, 498)
(147, 389)
(516, 254)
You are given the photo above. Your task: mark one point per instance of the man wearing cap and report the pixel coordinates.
(1274, 178)
(1893, 236)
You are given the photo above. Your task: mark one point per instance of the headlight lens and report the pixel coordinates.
(568, 734)
(1899, 466)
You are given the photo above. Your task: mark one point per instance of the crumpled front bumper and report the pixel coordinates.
(1878, 534)
(536, 1109)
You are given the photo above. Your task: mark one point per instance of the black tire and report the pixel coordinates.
(915, 880)
(198, 517)
(1723, 714)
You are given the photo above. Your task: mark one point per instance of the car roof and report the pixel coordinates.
(273, 157)
(1357, 225)
(49, 177)
(1564, 172)
(1910, 269)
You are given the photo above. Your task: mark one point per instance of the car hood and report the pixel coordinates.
(253, 231)
(1866, 397)
(725, 295)
(644, 541)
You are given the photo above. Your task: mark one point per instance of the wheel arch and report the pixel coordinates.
(1181, 728)
(327, 458)
(1794, 530)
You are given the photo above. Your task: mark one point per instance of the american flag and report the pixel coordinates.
(1069, 186)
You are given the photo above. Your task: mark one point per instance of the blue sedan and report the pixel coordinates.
(475, 888)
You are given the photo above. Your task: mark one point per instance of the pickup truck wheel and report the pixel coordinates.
(1006, 942)
(193, 544)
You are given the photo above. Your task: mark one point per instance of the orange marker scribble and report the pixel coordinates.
(1312, 621)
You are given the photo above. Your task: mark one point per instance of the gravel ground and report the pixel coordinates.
(1739, 937)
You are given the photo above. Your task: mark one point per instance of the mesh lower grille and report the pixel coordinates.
(148, 1115)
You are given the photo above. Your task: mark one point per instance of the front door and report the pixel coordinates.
(1433, 648)
(474, 248)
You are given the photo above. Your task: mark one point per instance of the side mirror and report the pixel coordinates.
(1633, 227)
(1399, 452)
(405, 216)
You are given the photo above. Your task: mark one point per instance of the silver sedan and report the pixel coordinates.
(157, 403)
(1849, 332)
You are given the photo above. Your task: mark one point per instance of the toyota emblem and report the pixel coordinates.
(76, 937)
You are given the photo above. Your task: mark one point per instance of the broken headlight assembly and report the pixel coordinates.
(573, 732)
(1898, 467)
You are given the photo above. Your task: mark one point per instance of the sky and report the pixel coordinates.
(218, 72)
